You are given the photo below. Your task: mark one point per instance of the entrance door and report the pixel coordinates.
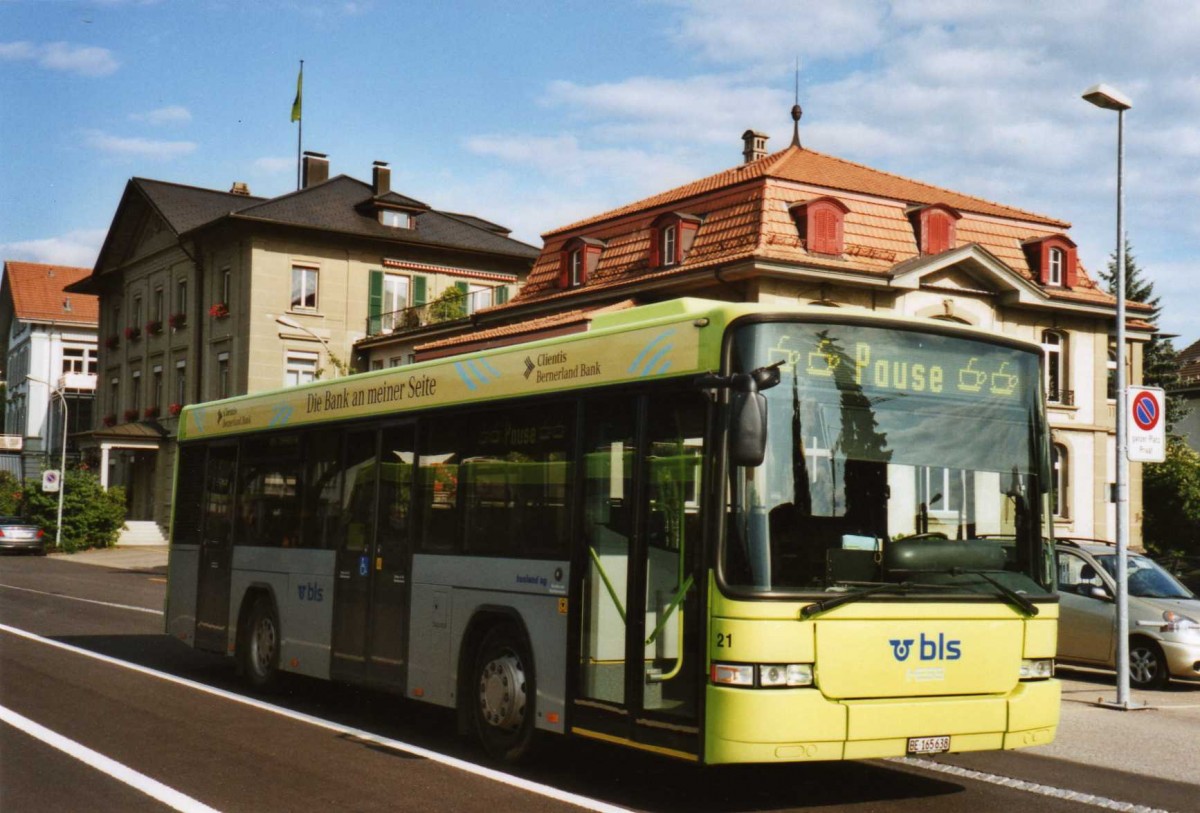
(216, 549)
(388, 625)
(641, 668)
(351, 593)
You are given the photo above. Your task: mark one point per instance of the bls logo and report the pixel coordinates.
(310, 592)
(930, 649)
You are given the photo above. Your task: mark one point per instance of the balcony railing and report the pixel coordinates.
(446, 308)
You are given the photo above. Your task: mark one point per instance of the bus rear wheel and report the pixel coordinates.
(259, 650)
(503, 694)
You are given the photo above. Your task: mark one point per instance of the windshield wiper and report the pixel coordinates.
(1014, 598)
(901, 588)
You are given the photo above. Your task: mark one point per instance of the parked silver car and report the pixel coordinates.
(1164, 634)
(17, 534)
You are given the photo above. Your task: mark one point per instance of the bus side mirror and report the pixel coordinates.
(748, 424)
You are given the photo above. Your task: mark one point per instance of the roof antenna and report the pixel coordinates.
(796, 111)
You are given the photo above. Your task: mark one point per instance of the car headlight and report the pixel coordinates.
(1174, 622)
(763, 676)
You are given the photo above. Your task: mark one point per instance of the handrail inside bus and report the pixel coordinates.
(607, 584)
(676, 600)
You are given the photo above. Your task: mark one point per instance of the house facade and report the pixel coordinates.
(1188, 391)
(207, 294)
(48, 338)
(798, 226)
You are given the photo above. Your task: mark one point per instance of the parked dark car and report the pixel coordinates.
(19, 535)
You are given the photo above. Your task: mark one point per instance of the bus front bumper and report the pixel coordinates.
(786, 725)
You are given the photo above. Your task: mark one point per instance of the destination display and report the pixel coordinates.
(891, 361)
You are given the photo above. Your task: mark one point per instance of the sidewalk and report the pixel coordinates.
(134, 557)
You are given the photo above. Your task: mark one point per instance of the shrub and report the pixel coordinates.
(92, 517)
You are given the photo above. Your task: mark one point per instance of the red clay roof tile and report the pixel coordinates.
(37, 293)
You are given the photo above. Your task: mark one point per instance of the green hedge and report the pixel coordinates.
(92, 517)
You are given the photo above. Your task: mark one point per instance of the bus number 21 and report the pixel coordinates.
(724, 640)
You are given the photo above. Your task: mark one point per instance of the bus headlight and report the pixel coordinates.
(1037, 668)
(764, 675)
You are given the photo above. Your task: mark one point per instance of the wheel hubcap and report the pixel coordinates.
(1142, 665)
(264, 645)
(502, 692)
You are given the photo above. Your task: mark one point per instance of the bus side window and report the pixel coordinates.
(438, 472)
(320, 506)
(185, 528)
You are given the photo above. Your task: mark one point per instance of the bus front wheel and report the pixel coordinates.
(260, 641)
(503, 694)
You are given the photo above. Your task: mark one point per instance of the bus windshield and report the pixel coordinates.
(893, 456)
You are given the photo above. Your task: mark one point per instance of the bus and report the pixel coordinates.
(722, 532)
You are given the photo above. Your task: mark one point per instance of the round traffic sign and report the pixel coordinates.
(1146, 411)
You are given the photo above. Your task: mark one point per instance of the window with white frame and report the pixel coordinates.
(157, 395)
(181, 296)
(226, 286)
(1054, 347)
(181, 382)
(575, 270)
(1058, 463)
(301, 368)
(1054, 274)
(1111, 386)
(78, 360)
(135, 392)
(394, 219)
(395, 299)
(478, 296)
(304, 287)
(223, 390)
(946, 492)
(670, 236)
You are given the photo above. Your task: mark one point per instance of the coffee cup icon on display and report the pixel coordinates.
(970, 379)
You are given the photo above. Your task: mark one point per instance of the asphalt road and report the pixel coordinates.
(140, 722)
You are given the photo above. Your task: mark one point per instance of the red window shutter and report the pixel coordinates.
(824, 231)
(937, 237)
(1070, 273)
(655, 247)
(564, 270)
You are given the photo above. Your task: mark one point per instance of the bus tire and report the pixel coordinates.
(503, 694)
(1147, 664)
(260, 641)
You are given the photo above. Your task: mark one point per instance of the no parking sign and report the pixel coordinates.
(1146, 424)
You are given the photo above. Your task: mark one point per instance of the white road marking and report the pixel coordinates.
(366, 736)
(1028, 787)
(94, 759)
(84, 600)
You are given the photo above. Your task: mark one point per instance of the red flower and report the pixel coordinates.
(219, 311)
(175, 409)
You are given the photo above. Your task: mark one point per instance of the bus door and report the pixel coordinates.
(354, 561)
(640, 655)
(388, 621)
(216, 549)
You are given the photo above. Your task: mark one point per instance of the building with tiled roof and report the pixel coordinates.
(1189, 390)
(48, 343)
(802, 226)
(206, 294)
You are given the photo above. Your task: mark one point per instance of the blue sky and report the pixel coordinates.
(534, 114)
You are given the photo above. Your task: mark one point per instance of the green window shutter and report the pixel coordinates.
(418, 296)
(374, 302)
(500, 296)
(462, 287)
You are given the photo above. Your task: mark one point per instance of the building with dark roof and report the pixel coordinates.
(801, 226)
(207, 294)
(1189, 390)
(48, 343)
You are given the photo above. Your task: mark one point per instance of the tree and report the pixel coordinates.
(1160, 363)
(452, 304)
(1171, 494)
(92, 517)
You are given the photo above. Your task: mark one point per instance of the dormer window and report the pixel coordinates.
(1054, 276)
(1052, 260)
(672, 237)
(578, 262)
(936, 228)
(395, 219)
(820, 224)
(670, 246)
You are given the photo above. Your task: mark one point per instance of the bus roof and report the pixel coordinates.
(670, 339)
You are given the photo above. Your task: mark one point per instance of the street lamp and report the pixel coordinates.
(337, 363)
(62, 471)
(1109, 98)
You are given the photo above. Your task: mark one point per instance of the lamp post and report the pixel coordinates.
(62, 470)
(336, 362)
(1109, 98)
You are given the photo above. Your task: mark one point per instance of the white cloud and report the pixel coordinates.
(138, 147)
(172, 114)
(85, 60)
(78, 248)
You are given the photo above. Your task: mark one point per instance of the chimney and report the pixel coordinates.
(755, 145)
(381, 178)
(240, 188)
(316, 169)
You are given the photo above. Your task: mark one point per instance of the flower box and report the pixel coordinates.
(131, 415)
(175, 409)
(154, 327)
(219, 311)
(133, 333)
(177, 321)
(112, 342)
(110, 420)
(150, 412)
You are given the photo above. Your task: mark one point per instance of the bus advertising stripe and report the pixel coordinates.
(637, 361)
(462, 373)
(282, 414)
(649, 369)
(474, 368)
(488, 366)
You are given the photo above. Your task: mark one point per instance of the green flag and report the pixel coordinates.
(299, 94)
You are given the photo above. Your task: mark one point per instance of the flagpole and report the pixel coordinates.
(299, 109)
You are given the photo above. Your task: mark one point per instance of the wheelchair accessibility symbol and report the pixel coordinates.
(363, 565)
